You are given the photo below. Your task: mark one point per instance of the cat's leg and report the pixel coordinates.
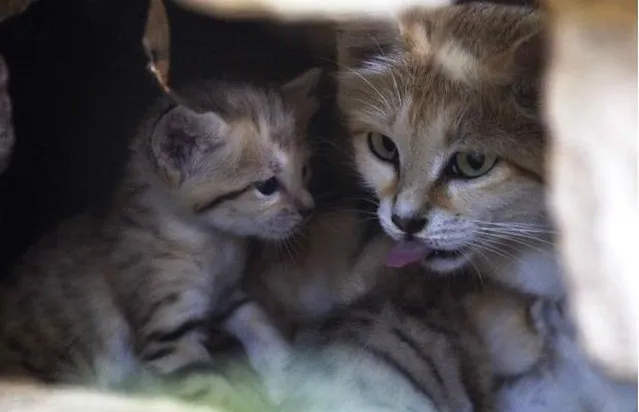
(563, 378)
(268, 351)
(173, 332)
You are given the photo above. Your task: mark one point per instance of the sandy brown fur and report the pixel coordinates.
(469, 86)
(330, 264)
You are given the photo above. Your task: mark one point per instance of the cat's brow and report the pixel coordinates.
(221, 199)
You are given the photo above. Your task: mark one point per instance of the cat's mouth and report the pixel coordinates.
(445, 254)
(408, 252)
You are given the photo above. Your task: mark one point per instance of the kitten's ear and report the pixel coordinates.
(180, 137)
(299, 92)
(359, 42)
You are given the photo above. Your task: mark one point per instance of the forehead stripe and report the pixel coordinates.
(222, 198)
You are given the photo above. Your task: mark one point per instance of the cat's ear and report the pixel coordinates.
(300, 94)
(415, 30)
(528, 60)
(180, 137)
(364, 41)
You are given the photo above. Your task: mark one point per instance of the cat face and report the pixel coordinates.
(445, 133)
(242, 167)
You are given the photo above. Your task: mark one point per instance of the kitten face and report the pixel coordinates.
(443, 135)
(242, 168)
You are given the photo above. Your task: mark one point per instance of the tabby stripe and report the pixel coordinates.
(157, 354)
(154, 309)
(432, 369)
(182, 330)
(221, 199)
(335, 323)
(390, 361)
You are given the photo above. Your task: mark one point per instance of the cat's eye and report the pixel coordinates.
(306, 173)
(268, 187)
(383, 147)
(470, 165)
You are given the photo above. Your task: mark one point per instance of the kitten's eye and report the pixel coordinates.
(305, 173)
(470, 165)
(383, 147)
(268, 187)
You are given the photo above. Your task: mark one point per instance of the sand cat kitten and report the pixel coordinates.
(402, 352)
(6, 125)
(101, 298)
(331, 263)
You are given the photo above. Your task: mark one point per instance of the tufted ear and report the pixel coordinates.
(362, 41)
(180, 138)
(299, 92)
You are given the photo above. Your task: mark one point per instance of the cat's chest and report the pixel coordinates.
(179, 250)
(534, 271)
(224, 257)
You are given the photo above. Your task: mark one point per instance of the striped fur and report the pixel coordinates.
(391, 356)
(104, 299)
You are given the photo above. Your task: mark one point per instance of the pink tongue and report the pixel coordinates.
(405, 253)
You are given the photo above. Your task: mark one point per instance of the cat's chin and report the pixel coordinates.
(445, 261)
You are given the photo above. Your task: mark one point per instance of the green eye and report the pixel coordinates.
(383, 147)
(470, 165)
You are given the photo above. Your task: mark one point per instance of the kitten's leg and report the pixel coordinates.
(267, 349)
(174, 332)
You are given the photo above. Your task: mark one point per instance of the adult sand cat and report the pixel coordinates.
(101, 299)
(444, 117)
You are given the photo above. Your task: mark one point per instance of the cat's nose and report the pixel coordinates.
(306, 211)
(305, 205)
(410, 225)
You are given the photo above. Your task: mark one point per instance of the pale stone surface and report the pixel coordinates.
(30, 397)
(307, 9)
(592, 112)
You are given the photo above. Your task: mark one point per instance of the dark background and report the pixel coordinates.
(79, 87)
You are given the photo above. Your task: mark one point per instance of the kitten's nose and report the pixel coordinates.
(306, 211)
(409, 225)
(305, 205)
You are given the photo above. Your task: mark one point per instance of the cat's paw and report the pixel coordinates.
(216, 386)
